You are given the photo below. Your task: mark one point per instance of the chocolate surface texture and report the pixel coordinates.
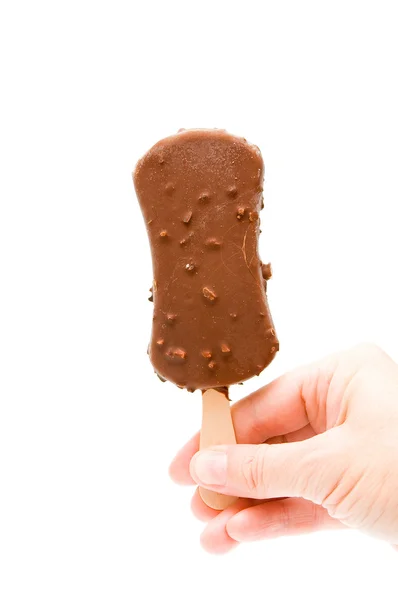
(200, 193)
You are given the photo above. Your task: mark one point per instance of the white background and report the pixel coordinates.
(86, 429)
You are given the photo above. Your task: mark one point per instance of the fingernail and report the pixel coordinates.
(210, 467)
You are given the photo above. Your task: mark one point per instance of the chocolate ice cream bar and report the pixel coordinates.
(200, 193)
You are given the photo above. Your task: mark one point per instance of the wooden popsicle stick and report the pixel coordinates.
(217, 428)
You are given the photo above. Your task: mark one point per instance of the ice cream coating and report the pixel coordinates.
(200, 193)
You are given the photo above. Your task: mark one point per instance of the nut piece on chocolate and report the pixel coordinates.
(200, 193)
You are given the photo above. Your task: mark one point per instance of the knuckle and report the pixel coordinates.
(317, 517)
(253, 471)
(366, 351)
(344, 494)
(362, 501)
(309, 474)
(284, 517)
(320, 469)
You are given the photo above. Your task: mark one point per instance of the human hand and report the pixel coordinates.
(330, 459)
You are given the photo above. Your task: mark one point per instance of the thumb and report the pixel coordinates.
(309, 469)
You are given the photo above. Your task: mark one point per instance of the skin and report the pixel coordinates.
(318, 449)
